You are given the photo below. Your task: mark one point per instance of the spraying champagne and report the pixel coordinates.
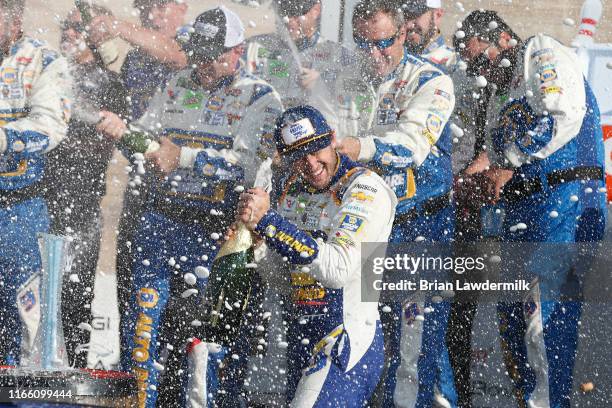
(229, 288)
(107, 50)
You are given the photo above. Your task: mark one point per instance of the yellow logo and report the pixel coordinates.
(361, 196)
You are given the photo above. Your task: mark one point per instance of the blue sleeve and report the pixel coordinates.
(391, 155)
(287, 239)
(26, 143)
(520, 125)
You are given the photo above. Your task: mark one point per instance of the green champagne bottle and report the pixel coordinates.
(138, 142)
(83, 8)
(229, 288)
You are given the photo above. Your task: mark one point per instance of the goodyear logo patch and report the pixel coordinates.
(299, 130)
(351, 223)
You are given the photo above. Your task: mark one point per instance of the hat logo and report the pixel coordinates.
(297, 131)
(207, 30)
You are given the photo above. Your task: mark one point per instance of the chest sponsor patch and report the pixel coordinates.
(351, 223)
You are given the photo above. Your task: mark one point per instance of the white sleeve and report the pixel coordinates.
(422, 118)
(49, 104)
(554, 77)
(366, 215)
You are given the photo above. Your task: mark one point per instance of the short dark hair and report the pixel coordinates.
(478, 24)
(13, 5)
(366, 9)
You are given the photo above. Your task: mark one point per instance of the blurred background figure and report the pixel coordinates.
(295, 59)
(35, 106)
(156, 54)
(75, 178)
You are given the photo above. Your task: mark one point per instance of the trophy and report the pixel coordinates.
(44, 375)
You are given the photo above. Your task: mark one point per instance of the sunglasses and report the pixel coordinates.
(383, 44)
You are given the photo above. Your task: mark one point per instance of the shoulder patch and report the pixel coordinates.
(259, 91)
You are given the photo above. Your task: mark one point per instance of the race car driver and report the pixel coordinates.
(392, 115)
(548, 170)
(315, 228)
(35, 91)
(212, 121)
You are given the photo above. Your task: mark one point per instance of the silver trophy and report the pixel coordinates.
(48, 350)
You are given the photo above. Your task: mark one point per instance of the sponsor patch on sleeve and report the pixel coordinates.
(443, 94)
(351, 223)
(434, 123)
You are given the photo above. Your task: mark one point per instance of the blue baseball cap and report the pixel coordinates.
(299, 131)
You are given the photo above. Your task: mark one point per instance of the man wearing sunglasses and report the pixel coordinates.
(392, 114)
(270, 57)
(213, 123)
(547, 160)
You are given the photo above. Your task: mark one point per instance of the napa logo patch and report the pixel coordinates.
(351, 223)
(147, 297)
(434, 123)
(299, 130)
(548, 75)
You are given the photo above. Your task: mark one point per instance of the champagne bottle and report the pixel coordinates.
(138, 142)
(83, 8)
(108, 49)
(229, 288)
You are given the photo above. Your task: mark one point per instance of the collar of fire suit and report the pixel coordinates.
(222, 83)
(397, 69)
(434, 45)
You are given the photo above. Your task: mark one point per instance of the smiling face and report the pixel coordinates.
(318, 168)
(381, 61)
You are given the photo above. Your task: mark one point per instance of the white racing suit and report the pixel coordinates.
(547, 128)
(269, 57)
(225, 135)
(402, 126)
(335, 343)
(35, 92)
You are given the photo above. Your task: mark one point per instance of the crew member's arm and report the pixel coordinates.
(421, 120)
(253, 142)
(162, 47)
(366, 215)
(46, 123)
(553, 108)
